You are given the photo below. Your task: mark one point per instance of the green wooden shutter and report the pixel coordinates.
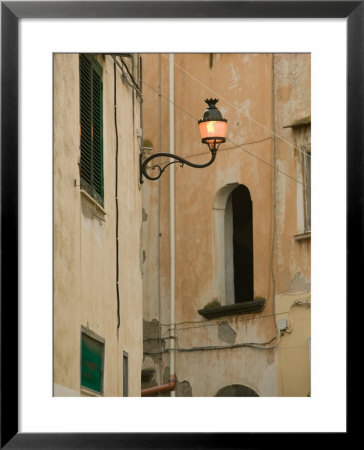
(91, 165)
(86, 119)
(92, 354)
(97, 133)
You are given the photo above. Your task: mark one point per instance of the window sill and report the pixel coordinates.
(254, 306)
(89, 392)
(299, 237)
(93, 201)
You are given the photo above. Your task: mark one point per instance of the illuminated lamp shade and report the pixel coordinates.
(212, 126)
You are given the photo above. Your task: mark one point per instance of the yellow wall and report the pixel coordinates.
(294, 379)
(85, 239)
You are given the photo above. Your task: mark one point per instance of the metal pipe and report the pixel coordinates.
(162, 388)
(159, 214)
(171, 216)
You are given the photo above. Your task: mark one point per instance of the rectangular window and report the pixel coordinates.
(306, 165)
(92, 361)
(125, 375)
(91, 162)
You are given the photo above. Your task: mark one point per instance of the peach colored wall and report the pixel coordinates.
(253, 107)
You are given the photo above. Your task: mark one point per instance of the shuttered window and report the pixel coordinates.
(92, 361)
(91, 163)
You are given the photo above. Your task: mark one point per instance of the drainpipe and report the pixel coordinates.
(169, 387)
(171, 218)
(274, 188)
(159, 214)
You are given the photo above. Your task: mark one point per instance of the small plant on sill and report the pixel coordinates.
(213, 304)
(258, 298)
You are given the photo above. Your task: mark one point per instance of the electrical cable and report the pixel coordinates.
(229, 347)
(264, 162)
(235, 145)
(116, 201)
(258, 346)
(235, 107)
(117, 178)
(205, 324)
(227, 139)
(130, 75)
(131, 81)
(296, 302)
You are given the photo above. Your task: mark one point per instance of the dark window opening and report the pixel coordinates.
(242, 245)
(125, 375)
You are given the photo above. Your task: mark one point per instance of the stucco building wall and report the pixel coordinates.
(258, 94)
(85, 237)
(292, 99)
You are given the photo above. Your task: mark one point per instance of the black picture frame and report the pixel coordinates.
(11, 12)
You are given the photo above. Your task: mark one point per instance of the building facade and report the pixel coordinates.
(97, 221)
(198, 283)
(226, 249)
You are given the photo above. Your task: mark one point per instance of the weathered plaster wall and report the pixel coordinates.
(246, 81)
(294, 378)
(292, 99)
(84, 237)
(258, 93)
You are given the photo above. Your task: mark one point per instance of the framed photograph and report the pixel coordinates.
(65, 66)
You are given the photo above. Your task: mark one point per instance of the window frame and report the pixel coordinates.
(306, 178)
(91, 182)
(90, 334)
(237, 210)
(125, 375)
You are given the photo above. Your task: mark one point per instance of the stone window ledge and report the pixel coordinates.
(89, 392)
(254, 306)
(98, 208)
(299, 237)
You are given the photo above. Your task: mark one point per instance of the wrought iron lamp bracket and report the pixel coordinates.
(213, 145)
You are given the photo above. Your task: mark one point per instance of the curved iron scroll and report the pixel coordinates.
(182, 161)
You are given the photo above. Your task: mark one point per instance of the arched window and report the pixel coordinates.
(236, 390)
(234, 280)
(239, 246)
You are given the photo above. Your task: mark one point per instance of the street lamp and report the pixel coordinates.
(213, 131)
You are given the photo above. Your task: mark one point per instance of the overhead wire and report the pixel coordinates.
(296, 302)
(203, 323)
(227, 139)
(137, 87)
(239, 110)
(229, 347)
(255, 345)
(239, 146)
(127, 76)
